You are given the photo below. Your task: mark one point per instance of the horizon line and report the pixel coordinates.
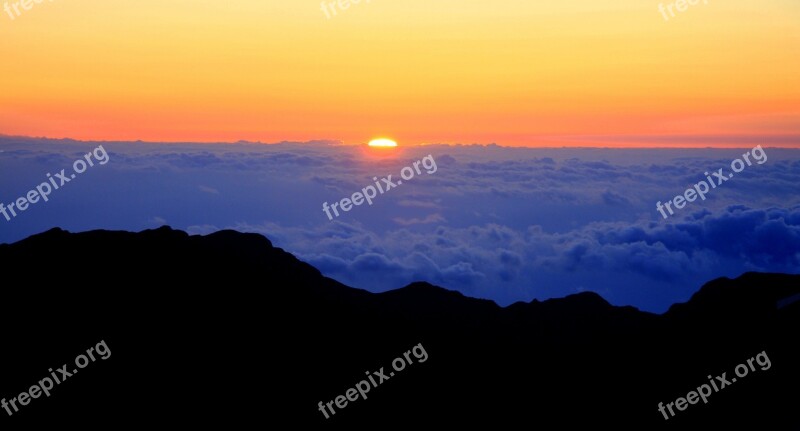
(786, 141)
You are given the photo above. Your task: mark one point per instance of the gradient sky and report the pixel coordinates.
(516, 72)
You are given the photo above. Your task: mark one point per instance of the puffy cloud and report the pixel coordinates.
(208, 189)
(431, 218)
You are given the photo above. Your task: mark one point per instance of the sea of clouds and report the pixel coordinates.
(508, 224)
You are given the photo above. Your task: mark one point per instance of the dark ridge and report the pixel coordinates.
(226, 330)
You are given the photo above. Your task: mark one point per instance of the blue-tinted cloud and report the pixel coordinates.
(507, 224)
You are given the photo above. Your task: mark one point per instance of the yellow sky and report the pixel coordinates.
(512, 72)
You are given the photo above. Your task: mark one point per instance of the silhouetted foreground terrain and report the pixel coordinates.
(226, 330)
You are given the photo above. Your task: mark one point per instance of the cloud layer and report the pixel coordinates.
(507, 224)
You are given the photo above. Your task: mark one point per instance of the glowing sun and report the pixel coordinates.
(382, 142)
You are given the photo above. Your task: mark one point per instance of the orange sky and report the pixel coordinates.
(516, 72)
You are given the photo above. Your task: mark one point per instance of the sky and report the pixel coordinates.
(560, 131)
(502, 223)
(518, 73)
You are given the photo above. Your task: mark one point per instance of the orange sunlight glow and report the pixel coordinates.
(529, 73)
(382, 142)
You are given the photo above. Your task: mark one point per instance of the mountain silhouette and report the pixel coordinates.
(228, 330)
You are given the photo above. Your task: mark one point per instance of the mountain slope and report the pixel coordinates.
(226, 330)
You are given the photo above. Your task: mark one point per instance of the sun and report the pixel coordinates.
(381, 149)
(383, 143)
